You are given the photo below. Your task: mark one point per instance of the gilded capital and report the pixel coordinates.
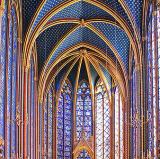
(1, 8)
(19, 40)
(1, 141)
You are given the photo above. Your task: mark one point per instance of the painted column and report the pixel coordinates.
(18, 99)
(112, 126)
(36, 118)
(25, 84)
(1, 14)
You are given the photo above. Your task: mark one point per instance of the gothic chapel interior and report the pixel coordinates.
(79, 79)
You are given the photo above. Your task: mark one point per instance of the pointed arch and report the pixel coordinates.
(64, 121)
(83, 111)
(103, 123)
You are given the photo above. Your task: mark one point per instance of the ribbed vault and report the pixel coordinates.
(83, 63)
(61, 28)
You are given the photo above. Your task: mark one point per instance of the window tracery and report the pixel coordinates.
(64, 122)
(118, 125)
(83, 155)
(153, 72)
(8, 84)
(83, 111)
(102, 122)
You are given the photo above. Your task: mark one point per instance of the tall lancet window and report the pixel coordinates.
(118, 125)
(158, 114)
(3, 49)
(49, 114)
(8, 75)
(133, 111)
(153, 74)
(150, 86)
(83, 112)
(64, 122)
(102, 119)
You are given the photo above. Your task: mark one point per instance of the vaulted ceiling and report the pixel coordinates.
(110, 26)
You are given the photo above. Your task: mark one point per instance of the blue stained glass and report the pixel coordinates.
(133, 113)
(9, 87)
(45, 125)
(14, 77)
(83, 112)
(50, 122)
(83, 155)
(2, 73)
(40, 126)
(64, 122)
(150, 132)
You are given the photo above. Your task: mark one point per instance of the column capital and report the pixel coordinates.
(144, 38)
(40, 101)
(1, 7)
(19, 40)
(26, 68)
(35, 79)
(1, 10)
(154, 13)
(137, 67)
(1, 141)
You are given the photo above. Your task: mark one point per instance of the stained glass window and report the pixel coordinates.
(149, 72)
(158, 90)
(118, 125)
(8, 75)
(133, 110)
(154, 85)
(14, 86)
(102, 120)
(153, 72)
(49, 121)
(64, 122)
(83, 111)
(3, 48)
(83, 155)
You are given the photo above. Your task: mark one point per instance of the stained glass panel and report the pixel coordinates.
(83, 155)
(118, 125)
(14, 77)
(83, 111)
(64, 122)
(3, 73)
(102, 122)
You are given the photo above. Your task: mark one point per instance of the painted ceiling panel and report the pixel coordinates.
(114, 4)
(82, 34)
(49, 4)
(117, 37)
(135, 7)
(94, 74)
(29, 8)
(83, 72)
(82, 10)
(107, 75)
(73, 74)
(48, 39)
